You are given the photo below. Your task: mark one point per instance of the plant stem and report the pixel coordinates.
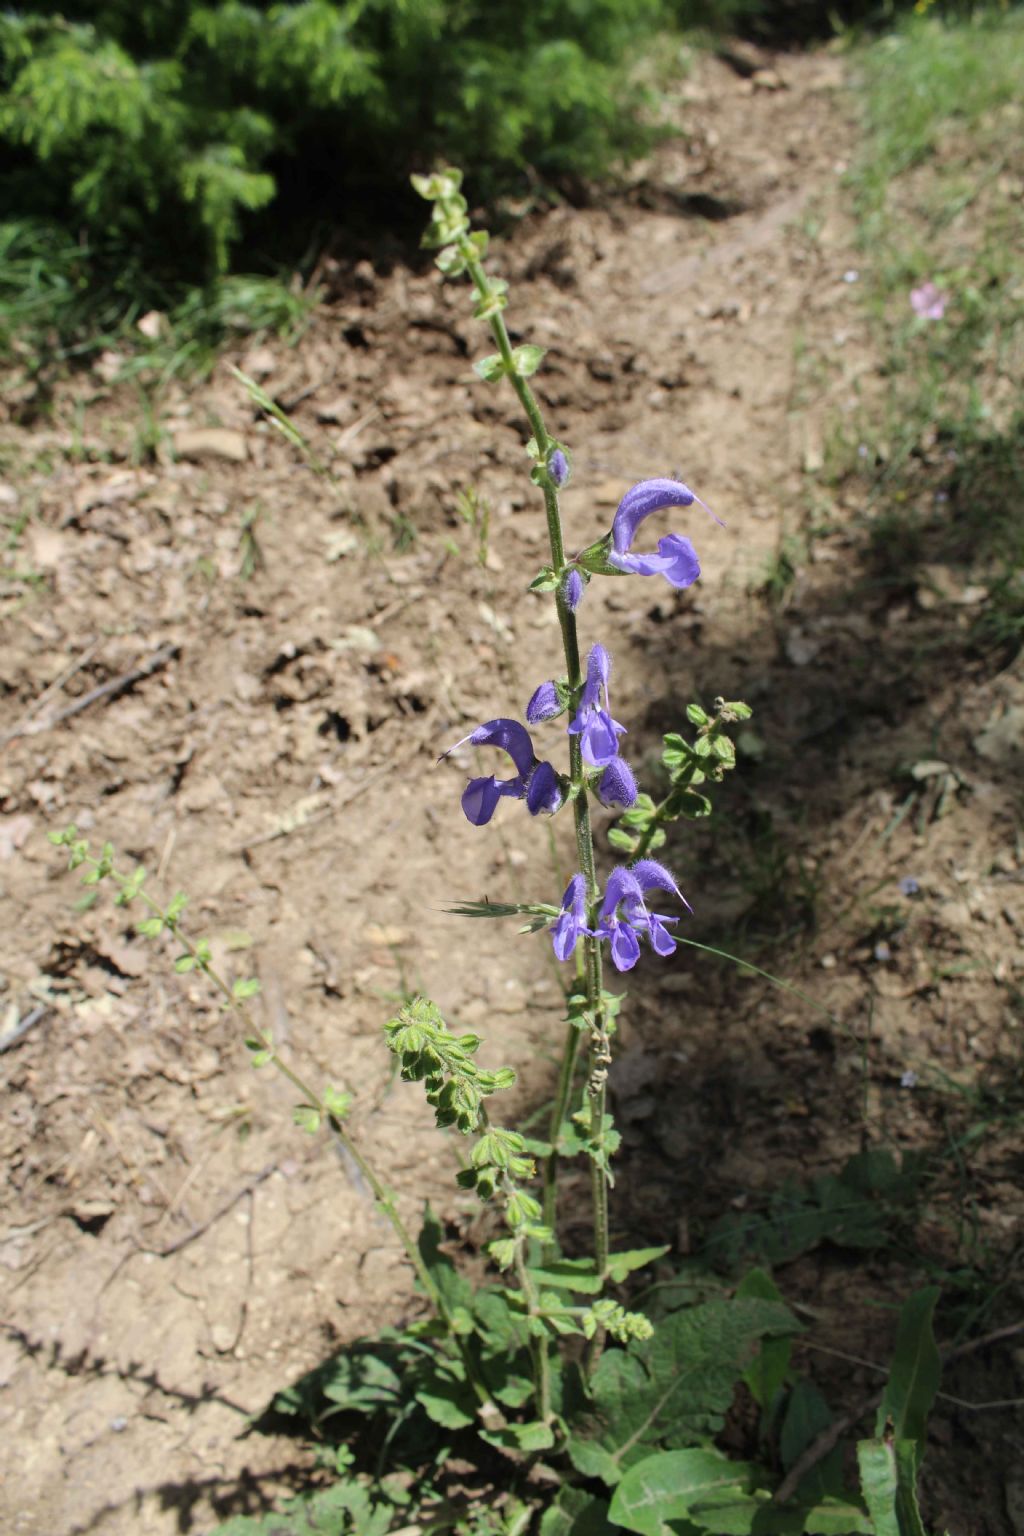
(598, 1066)
(538, 1344)
(384, 1197)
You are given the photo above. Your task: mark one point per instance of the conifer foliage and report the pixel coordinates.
(162, 124)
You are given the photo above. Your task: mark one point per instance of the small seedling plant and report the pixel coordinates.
(580, 1410)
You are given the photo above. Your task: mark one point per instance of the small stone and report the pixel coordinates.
(259, 363)
(154, 324)
(387, 937)
(211, 443)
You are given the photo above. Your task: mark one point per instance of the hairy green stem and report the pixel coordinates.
(538, 1344)
(581, 804)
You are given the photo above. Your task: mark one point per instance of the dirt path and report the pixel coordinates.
(278, 766)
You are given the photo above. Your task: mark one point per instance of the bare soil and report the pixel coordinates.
(174, 1250)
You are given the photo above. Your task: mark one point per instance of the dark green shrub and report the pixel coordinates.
(160, 126)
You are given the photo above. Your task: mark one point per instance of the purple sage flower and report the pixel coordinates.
(535, 782)
(928, 301)
(593, 723)
(558, 468)
(617, 788)
(544, 704)
(909, 886)
(624, 914)
(571, 922)
(573, 589)
(676, 558)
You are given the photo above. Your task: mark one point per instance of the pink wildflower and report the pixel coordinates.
(928, 301)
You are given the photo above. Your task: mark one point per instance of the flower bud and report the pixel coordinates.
(617, 788)
(558, 468)
(544, 705)
(573, 589)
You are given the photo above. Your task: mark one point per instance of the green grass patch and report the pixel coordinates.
(934, 458)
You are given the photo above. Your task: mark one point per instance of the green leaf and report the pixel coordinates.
(915, 1371)
(527, 359)
(527, 1438)
(695, 715)
(149, 927)
(307, 1118)
(569, 1275)
(455, 1288)
(837, 1517)
(576, 1513)
(622, 840)
(448, 1403)
(545, 581)
(245, 987)
(768, 1372)
(888, 1480)
(667, 1485)
(492, 302)
(622, 1264)
(450, 261)
(184, 964)
(337, 1103)
(808, 1416)
(491, 368)
(677, 1386)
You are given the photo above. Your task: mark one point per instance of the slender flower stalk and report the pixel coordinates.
(598, 1074)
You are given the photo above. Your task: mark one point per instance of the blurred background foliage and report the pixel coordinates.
(152, 146)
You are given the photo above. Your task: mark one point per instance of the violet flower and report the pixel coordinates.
(571, 922)
(593, 723)
(535, 782)
(617, 788)
(676, 558)
(625, 890)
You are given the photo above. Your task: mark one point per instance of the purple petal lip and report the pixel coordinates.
(480, 798)
(676, 560)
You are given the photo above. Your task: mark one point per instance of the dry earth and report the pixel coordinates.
(174, 1251)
